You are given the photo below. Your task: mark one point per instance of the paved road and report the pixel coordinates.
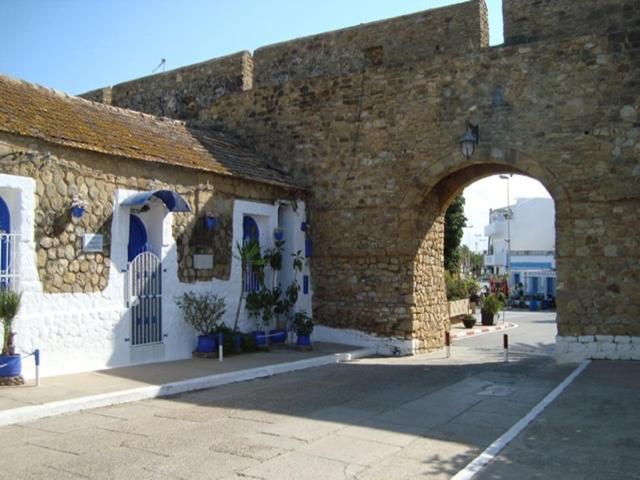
(406, 418)
(535, 334)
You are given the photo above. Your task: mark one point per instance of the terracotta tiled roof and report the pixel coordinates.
(34, 111)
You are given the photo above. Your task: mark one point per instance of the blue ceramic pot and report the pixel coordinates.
(303, 340)
(260, 338)
(10, 365)
(277, 336)
(210, 222)
(207, 343)
(77, 212)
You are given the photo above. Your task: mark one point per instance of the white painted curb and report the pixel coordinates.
(497, 328)
(481, 461)
(35, 412)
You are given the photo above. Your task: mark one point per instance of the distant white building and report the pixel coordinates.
(530, 227)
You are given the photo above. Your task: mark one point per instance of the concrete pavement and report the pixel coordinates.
(76, 392)
(395, 418)
(591, 431)
(423, 417)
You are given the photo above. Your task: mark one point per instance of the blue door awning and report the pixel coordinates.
(172, 200)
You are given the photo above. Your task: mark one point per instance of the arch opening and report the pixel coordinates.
(518, 242)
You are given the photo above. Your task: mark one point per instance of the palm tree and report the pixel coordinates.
(9, 305)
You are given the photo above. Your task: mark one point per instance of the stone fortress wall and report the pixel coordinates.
(184, 92)
(369, 118)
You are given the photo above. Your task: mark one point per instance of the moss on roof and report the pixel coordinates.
(34, 111)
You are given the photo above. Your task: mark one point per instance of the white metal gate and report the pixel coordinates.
(145, 299)
(9, 260)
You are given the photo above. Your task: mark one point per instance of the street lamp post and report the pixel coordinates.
(508, 217)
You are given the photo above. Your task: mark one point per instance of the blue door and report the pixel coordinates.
(5, 245)
(551, 286)
(534, 285)
(137, 238)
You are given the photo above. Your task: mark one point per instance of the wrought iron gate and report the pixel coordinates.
(145, 299)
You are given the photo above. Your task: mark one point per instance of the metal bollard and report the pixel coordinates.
(447, 344)
(220, 349)
(505, 347)
(36, 356)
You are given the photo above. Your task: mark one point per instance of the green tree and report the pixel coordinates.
(454, 223)
(473, 262)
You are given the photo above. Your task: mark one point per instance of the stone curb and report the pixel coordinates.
(36, 412)
(482, 330)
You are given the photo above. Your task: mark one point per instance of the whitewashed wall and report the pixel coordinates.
(87, 331)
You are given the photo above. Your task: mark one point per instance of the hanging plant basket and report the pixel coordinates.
(77, 211)
(210, 222)
(278, 234)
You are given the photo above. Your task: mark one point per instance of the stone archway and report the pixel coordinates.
(429, 295)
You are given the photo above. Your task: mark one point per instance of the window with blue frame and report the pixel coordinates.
(250, 233)
(5, 245)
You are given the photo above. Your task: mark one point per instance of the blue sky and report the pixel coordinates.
(79, 45)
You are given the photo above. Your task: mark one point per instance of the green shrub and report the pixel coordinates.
(492, 305)
(202, 311)
(302, 323)
(249, 343)
(456, 287)
(9, 305)
(472, 286)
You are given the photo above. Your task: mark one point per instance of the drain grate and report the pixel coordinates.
(496, 391)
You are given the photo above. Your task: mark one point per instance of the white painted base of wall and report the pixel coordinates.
(387, 346)
(572, 349)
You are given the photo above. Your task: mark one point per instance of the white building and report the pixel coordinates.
(529, 227)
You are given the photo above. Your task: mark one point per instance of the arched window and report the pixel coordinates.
(250, 230)
(137, 238)
(5, 244)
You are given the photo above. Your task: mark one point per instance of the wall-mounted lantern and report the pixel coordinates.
(304, 226)
(78, 207)
(210, 222)
(469, 140)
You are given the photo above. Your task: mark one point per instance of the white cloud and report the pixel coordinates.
(491, 192)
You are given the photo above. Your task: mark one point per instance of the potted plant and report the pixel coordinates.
(249, 256)
(210, 221)
(10, 363)
(78, 207)
(490, 307)
(203, 312)
(272, 301)
(468, 321)
(303, 325)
